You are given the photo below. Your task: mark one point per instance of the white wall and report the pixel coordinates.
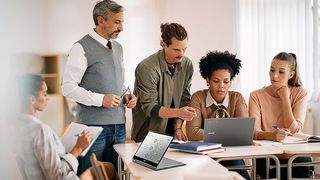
(22, 27)
(66, 22)
(211, 25)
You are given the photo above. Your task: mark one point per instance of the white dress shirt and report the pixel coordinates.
(210, 100)
(40, 153)
(74, 71)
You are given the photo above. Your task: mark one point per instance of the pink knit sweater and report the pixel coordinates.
(268, 111)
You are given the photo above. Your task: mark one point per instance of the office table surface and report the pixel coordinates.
(195, 164)
(309, 148)
(248, 151)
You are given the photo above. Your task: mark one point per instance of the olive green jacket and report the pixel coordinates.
(154, 86)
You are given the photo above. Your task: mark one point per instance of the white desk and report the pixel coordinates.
(300, 150)
(196, 164)
(250, 152)
(310, 148)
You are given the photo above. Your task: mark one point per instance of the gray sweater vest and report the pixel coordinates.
(105, 75)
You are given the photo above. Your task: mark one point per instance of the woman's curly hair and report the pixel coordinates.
(215, 60)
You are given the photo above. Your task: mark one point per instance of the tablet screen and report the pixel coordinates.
(154, 147)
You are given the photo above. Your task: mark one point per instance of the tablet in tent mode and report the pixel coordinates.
(152, 150)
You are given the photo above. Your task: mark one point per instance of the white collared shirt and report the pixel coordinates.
(74, 71)
(210, 100)
(40, 153)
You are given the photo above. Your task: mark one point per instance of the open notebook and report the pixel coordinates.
(69, 138)
(300, 138)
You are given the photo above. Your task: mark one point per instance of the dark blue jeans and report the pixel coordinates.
(103, 146)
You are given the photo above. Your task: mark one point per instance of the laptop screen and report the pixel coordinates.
(153, 148)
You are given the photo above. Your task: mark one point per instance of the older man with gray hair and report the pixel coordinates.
(94, 78)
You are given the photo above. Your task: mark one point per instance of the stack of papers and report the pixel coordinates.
(198, 147)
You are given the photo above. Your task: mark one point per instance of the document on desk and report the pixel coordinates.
(69, 138)
(300, 138)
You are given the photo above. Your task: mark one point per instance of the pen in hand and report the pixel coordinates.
(282, 130)
(125, 92)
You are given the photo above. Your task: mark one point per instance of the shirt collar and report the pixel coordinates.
(99, 38)
(210, 100)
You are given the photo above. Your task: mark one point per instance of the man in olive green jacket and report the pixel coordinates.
(162, 86)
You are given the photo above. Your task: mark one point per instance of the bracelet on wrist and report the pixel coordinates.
(177, 129)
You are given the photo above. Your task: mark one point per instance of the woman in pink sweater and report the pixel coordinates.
(282, 104)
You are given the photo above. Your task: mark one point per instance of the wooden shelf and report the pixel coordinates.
(51, 72)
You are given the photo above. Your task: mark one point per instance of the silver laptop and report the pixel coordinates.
(151, 151)
(229, 131)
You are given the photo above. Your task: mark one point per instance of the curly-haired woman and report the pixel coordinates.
(218, 69)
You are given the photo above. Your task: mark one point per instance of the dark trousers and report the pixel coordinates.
(297, 172)
(243, 173)
(103, 146)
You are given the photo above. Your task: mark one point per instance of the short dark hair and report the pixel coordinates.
(215, 60)
(169, 30)
(292, 59)
(104, 8)
(29, 85)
